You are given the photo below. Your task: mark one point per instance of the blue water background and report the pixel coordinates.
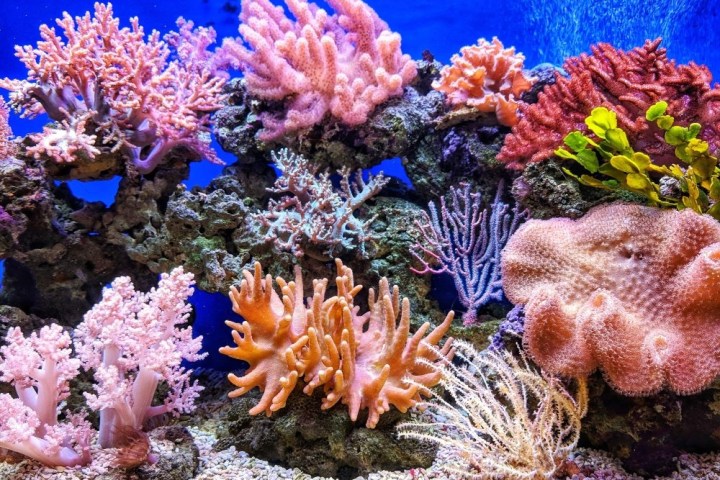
(543, 30)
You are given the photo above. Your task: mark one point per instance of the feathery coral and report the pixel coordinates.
(110, 84)
(507, 419)
(487, 77)
(632, 290)
(625, 82)
(343, 64)
(363, 361)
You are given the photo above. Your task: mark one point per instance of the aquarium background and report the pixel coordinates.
(543, 30)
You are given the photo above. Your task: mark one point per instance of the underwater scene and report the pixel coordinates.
(337, 239)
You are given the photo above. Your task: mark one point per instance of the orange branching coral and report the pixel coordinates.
(488, 77)
(632, 290)
(365, 361)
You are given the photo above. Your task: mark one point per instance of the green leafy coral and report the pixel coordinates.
(697, 176)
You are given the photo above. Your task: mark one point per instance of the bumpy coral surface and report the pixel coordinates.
(486, 76)
(363, 361)
(632, 290)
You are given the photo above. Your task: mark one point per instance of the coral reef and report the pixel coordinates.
(626, 82)
(363, 361)
(343, 64)
(628, 289)
(487, 77)
(323, 443)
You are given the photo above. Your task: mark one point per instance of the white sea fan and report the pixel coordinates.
(505, 420)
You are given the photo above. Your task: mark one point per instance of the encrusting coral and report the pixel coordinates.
(363, 361)
(628, 289)
(487, 77)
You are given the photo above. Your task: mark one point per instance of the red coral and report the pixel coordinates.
(625, 82)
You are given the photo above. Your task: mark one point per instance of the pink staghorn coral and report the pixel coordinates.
(107, 86)
(132, 341)
(363, 361)
(487, 77)
(40, 367)
(343, 64)
(632, 290)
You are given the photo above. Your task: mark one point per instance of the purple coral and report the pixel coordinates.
(109, 86)
(465, 240)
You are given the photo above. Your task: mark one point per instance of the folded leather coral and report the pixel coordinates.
(628, 289)
(363, 361)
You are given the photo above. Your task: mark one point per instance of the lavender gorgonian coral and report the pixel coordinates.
(465, 239)
(343, 64)
(111, 88)
(315, 213)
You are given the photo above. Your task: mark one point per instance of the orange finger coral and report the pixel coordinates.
(628, 289)
(365, 361)
(487, 77)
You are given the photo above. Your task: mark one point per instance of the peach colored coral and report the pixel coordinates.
(488, 77)
(629, 289)
(363, 361)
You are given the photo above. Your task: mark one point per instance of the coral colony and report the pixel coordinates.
(572, 215)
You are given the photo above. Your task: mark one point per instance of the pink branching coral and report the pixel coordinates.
(40, 367)
(314, 213)
(132, 341)
(107, 86)
(343, 64)
(7, 147)
(628, 289)
(363, 361)
(487, 77)
(625, 82)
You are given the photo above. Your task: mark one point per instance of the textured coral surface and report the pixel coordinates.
(625, 82)
(486, 76)
(632, 290)
(363, 361)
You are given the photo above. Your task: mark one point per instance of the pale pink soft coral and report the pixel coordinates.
(487, 77)
(111, 86)
(40, 368)
(343, 64)
(133, 341)
(628, 289)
